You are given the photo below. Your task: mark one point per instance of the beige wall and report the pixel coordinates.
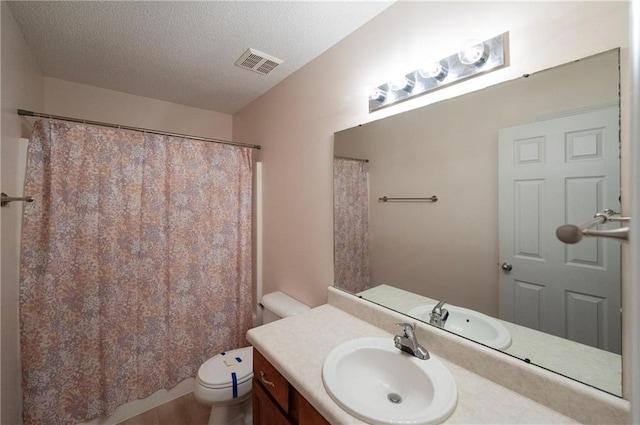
(22, 87)
(93, 103)
(295, 121)
(449, 250)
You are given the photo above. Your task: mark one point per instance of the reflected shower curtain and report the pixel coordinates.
(351, 225)
(136, 265)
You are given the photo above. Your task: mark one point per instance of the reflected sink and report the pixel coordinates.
(379, 384)
(469, 324)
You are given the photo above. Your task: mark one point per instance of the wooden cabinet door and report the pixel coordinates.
(272, 381)
(303, 413)
(265, 411)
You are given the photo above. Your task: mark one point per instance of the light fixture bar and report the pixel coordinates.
(475, 59)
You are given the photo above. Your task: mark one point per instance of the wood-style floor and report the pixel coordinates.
(181, 411)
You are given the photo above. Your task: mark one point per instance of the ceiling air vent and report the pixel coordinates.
(259, 62)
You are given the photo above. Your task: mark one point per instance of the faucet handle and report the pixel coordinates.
(444, 314)
(407, 328)
(438, 306)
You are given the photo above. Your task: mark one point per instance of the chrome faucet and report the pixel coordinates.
(408, 342)
(439, 315)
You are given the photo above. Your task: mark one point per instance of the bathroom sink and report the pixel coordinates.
(469, 324)
(379, 384)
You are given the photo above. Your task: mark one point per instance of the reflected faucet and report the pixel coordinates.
(439, 315)
(408, 342)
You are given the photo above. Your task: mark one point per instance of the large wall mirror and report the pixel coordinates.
(508, 165)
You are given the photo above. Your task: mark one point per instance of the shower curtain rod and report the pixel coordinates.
(126, 127)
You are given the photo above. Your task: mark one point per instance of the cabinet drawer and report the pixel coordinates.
(272, 381)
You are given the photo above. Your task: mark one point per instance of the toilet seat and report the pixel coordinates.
(228, 374)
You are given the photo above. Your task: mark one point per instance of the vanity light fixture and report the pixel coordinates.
(475, 58)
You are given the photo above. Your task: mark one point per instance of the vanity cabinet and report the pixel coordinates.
(276, 401)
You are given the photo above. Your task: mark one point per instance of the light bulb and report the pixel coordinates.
(401, 82)
(474, 52)
(434, 69)
(375, 93)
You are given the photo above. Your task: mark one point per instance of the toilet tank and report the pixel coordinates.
(277, 305)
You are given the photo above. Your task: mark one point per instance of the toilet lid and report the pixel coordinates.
(227, 369)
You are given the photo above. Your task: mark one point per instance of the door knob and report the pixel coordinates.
(506, 267)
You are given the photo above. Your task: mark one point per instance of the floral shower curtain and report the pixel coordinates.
(136, 265)
(351, 225)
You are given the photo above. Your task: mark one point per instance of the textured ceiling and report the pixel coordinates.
(183, 52)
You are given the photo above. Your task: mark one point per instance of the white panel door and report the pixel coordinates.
(554, 172)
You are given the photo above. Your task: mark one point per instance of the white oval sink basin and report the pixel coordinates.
(469, 324)
(376, 382)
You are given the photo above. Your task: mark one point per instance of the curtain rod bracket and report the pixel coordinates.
(5, 199)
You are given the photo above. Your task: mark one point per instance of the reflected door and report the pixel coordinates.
(553, 172)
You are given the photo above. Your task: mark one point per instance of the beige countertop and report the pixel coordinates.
(298, 345)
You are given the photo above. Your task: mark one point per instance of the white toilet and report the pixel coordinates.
(224, 381)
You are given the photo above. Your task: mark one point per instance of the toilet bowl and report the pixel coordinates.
(224, 381)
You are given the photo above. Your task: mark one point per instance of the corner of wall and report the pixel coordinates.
(22, 87)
